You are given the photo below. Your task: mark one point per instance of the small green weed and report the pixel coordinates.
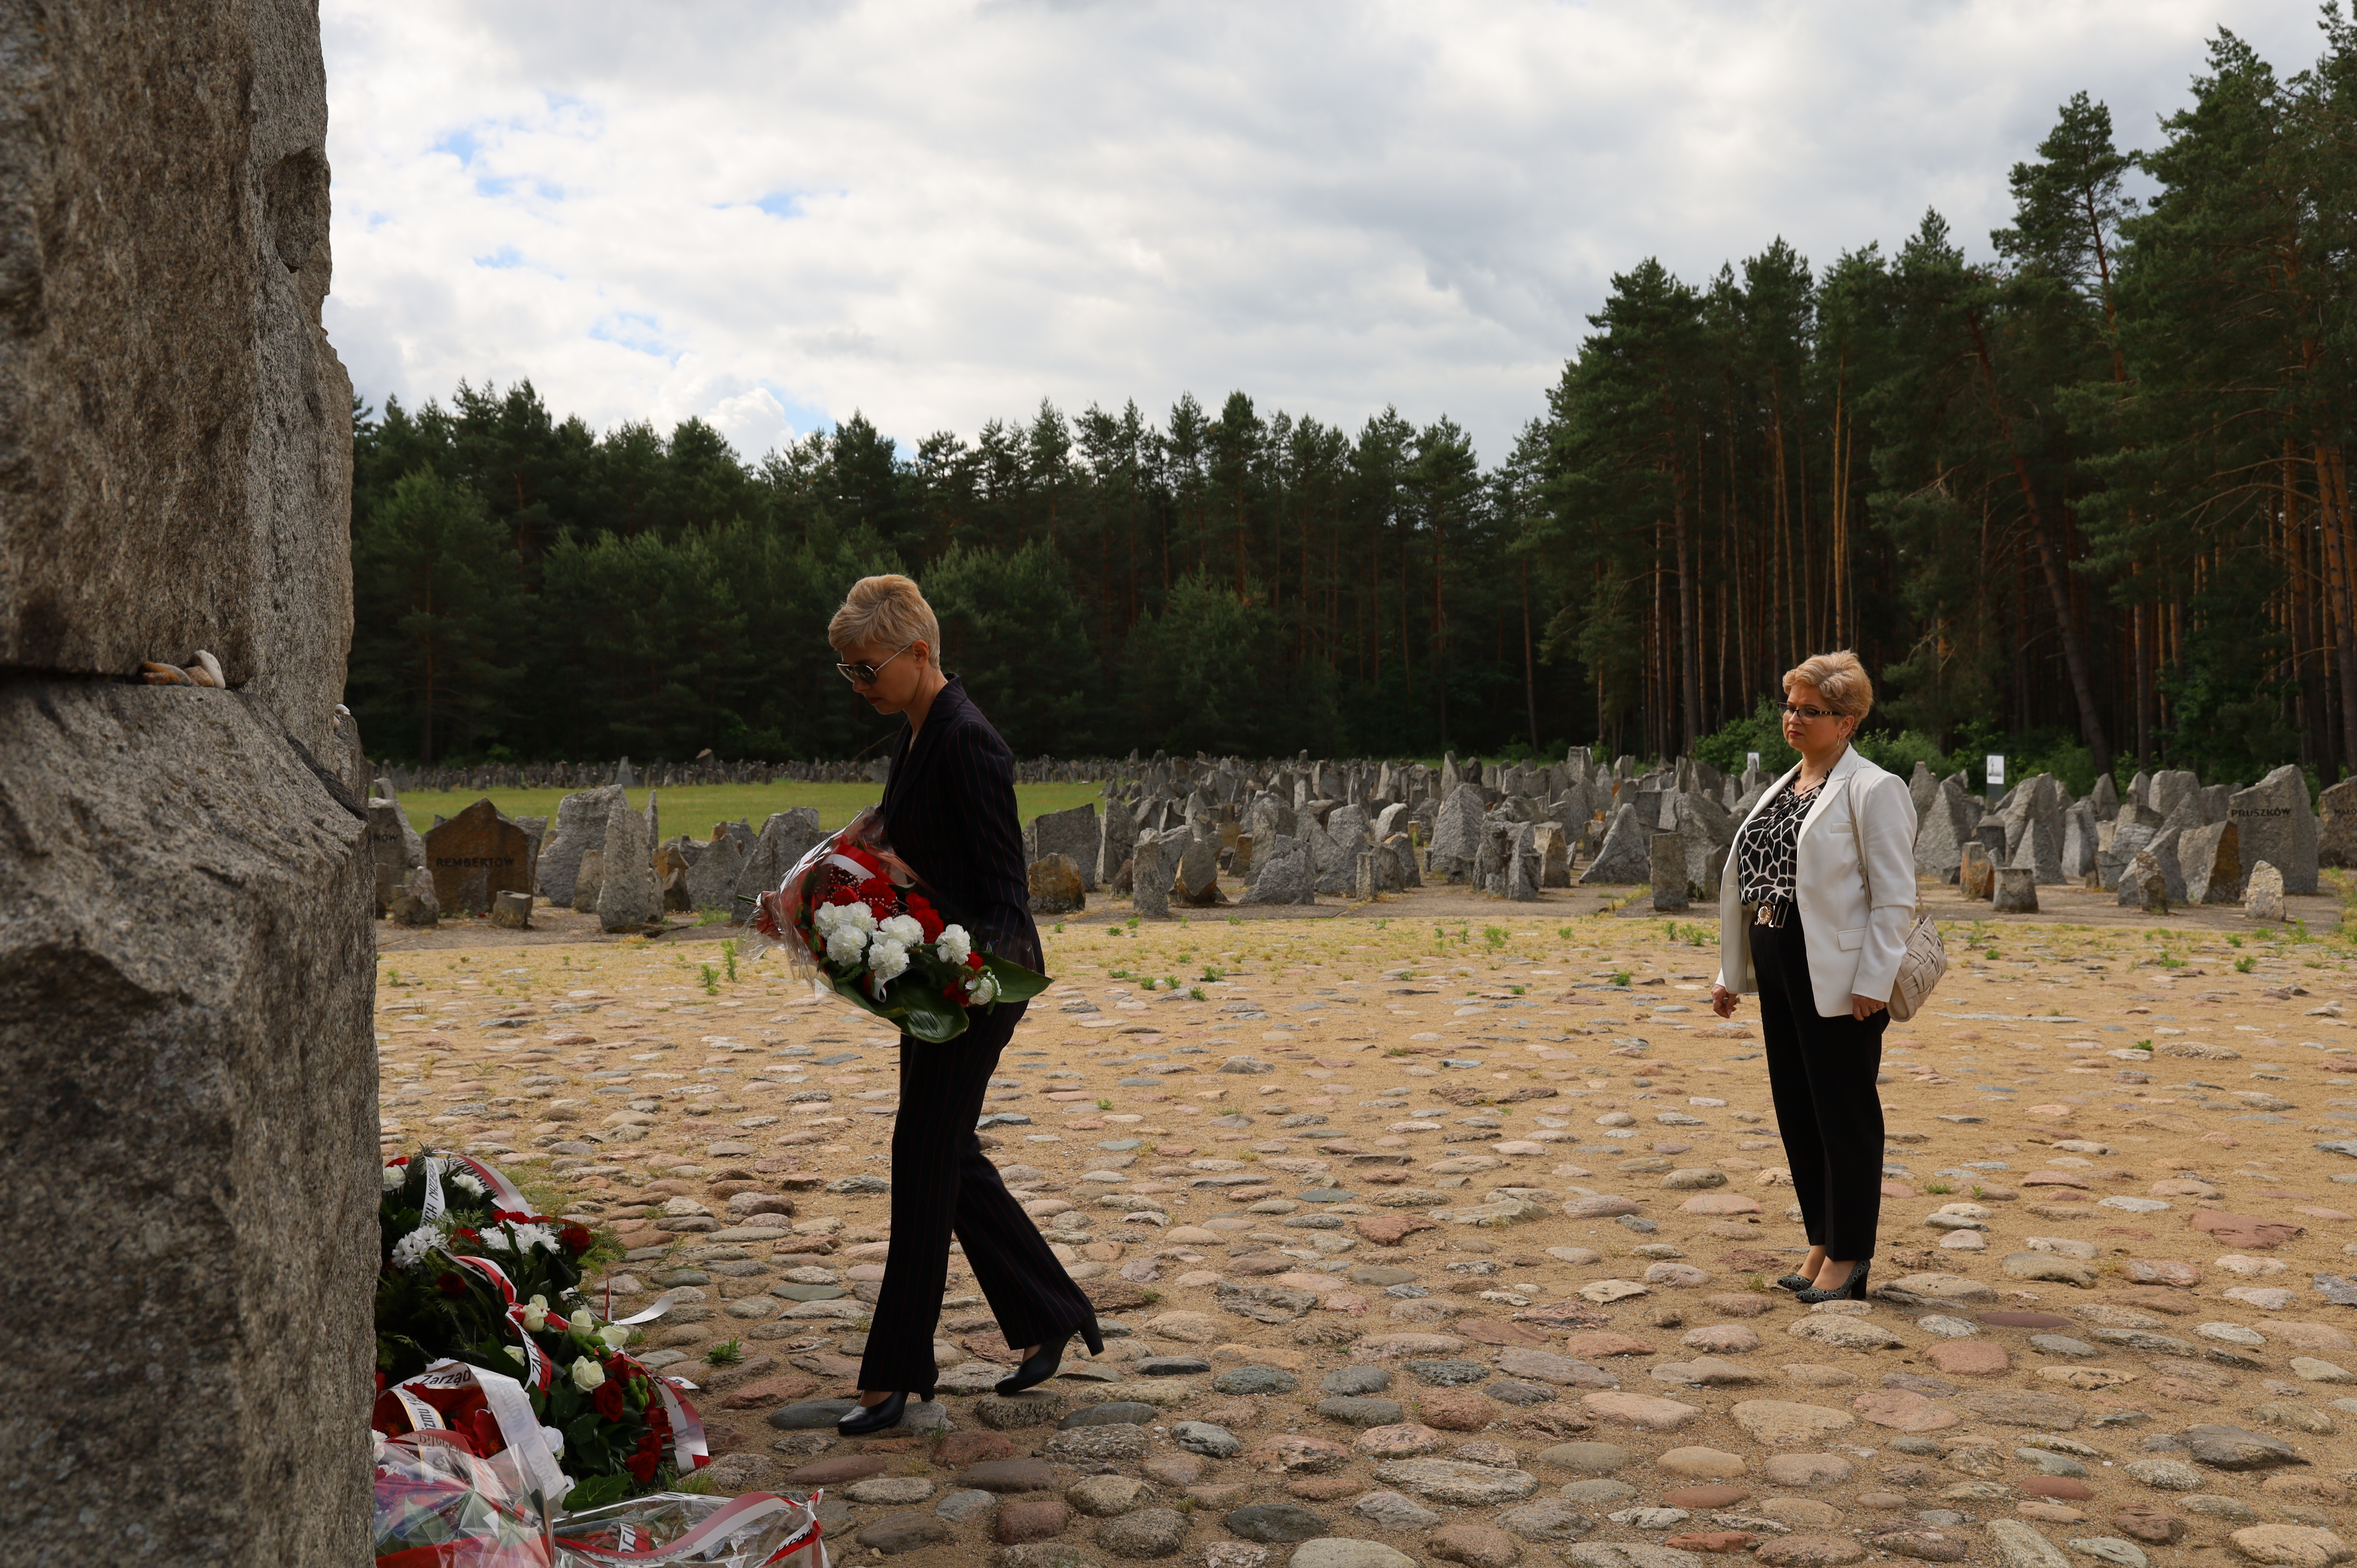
(2244, 965)
(710, 980)
(726, 1353)
(728, 958)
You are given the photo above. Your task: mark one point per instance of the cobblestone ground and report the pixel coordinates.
(1455, 1240)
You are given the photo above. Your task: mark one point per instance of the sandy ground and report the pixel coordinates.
(1374, 1149)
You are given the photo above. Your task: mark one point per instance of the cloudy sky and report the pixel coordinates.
(770, 214)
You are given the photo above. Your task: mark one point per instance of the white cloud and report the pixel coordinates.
(770, 215)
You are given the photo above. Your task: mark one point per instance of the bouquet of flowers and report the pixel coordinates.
(472, 1278)
(852, 917)
(439, 1505)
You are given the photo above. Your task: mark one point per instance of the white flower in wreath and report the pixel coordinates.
(858, 917)
(468, 1184)
(587, 1375)
(394, 1175)
(494, 1237)
(847, 943)
(528, 1237)
(954, 944)
(887, 958)
(615, 1334)
(412, 1249)
(535, 1314)
(904, 930)
(981, 988)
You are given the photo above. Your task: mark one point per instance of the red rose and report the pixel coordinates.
(641, 1466)
(485, 1430)
(609, 1400)
(576, 1239)
(450, 1285)
(463, 1234)
(842, 895)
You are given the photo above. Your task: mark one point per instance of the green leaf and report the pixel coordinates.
(1016, 983)
(931, 1017)
(596, 1491)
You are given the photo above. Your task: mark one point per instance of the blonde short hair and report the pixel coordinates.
(885, 609)
(1839, 679)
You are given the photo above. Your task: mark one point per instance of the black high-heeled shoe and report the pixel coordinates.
(1043, 1363)
(1796, 1283)
(881, 1416)
(1850, 1289)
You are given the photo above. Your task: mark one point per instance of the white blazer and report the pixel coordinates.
(1855, 878)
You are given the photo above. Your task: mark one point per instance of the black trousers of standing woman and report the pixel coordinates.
(1821, 1073)
(941, 1184)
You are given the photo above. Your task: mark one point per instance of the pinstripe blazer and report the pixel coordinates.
(949, 808)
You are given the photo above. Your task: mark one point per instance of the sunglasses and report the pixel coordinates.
(1798, 712)
(865, 674)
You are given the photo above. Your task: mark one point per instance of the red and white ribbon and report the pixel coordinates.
(535, 1447)
(731, 1519)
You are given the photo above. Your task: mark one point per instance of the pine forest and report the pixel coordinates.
(2086, 501)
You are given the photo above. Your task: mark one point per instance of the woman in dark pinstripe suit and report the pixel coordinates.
(949, 810)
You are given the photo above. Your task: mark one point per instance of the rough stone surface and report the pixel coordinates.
(2019, 1546)
(628, 897)
(2291, 1545)
(1146, 1533)
(1278, 1524)
(1341, 1552)
(579, 829)
(474, 857)
(1475, 1545)
(1455, 1481)
(1783, 1423)
(167, 1094)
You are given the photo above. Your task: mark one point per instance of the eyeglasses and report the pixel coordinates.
(865, 674)
(1795, 710)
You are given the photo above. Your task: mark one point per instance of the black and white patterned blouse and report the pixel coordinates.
(1768, 851)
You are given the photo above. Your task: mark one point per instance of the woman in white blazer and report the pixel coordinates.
(1813, 910)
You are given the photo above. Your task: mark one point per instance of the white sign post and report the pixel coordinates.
(1750, 761)
(1996, 778)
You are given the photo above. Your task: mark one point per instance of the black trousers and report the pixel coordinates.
(941, 1184)
(1821, 1073)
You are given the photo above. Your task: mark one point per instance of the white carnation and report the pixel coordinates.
(394, 1175)
(494, 1238)
(904, 930)
(847, 944)
(888, 958)
(466, 1183)
(411, 1247)
(527, 1236)
(981, 988)
(858, 917)
(954, 944)
(824, 919)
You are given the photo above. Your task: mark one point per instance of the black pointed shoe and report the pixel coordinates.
(1796, 1283)
(1850, 1289)
(1044, 1362)
(881, 1416)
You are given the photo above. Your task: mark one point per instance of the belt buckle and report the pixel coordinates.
(1770, 913)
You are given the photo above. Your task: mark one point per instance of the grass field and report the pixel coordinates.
(693, 809)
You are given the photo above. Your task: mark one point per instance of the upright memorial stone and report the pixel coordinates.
(1624, 858)
(1072, 834)
(580, 828)
(2275, 824)
(187, 1121)
(474, 857)
(785, 838)
(1668, 865)
(1149, 881)
(628, 896)
(2336, 833)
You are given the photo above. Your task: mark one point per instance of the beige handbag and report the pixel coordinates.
(1926, 957)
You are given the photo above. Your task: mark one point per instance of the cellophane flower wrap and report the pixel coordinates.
(471, 1275)
(753, 1529)
(854, 918)
(440, 1505)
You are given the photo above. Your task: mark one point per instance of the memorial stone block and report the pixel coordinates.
(1073, 834)
(580, 828)
(474, 857)
(1625, 857)
(2276, 825)
(2336, 833)
(2210, 858)
(1668, 871)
